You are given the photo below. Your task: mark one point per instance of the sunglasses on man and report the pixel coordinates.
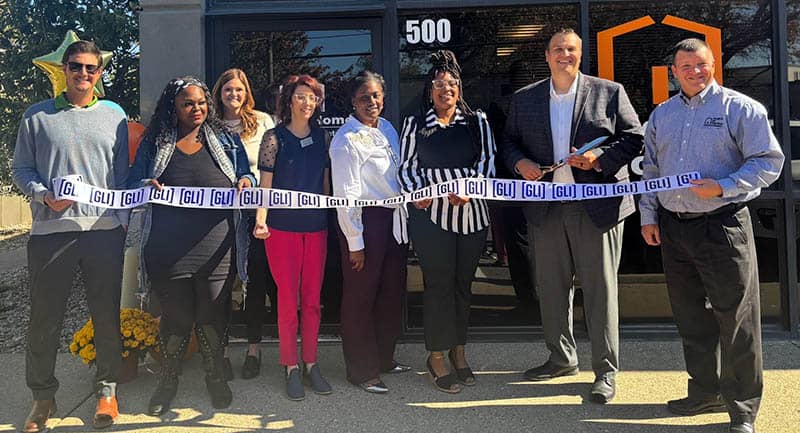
(77, 67)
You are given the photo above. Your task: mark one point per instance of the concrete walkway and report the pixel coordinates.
(501, 402)
(13, 259)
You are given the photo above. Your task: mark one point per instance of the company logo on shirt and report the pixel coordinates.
(714, 122)
(427, 132)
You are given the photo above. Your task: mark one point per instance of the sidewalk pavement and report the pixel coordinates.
(501, 401)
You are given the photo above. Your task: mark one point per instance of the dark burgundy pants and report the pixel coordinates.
(372, 298)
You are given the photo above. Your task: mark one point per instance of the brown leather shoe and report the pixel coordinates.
(40, 412)
(105, 414)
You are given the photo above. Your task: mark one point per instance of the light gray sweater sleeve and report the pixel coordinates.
(121, 166)
(23, 167)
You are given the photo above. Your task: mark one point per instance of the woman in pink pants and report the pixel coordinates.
(294, 156)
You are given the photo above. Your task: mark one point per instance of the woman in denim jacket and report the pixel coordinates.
(186, 253)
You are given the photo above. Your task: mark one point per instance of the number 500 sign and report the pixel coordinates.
(427, 31)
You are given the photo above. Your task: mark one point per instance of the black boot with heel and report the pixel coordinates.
(172, 351)
(212, 351)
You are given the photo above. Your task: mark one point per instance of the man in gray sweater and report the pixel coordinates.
(74, 133)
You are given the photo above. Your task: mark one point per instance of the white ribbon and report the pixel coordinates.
(73, 188)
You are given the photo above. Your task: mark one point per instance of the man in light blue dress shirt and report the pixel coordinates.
(705, 232)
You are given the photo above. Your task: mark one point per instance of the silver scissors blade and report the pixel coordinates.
(585, 148)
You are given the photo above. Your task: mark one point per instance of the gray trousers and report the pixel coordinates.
(714, 258)
(52, 261)
(569, 245)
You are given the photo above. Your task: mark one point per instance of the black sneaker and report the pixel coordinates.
(252, 366)
(318, 382)
(548, 371)
(294, 385)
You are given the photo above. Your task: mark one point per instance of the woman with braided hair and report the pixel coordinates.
(448, 140)
(187, 252)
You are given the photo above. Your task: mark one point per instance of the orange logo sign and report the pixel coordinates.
(660, 74)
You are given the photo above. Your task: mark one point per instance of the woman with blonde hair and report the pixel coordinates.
(235, 104)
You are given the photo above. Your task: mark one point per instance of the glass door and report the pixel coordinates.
(270, 50)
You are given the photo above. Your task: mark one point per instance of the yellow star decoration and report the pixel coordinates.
(50, 63)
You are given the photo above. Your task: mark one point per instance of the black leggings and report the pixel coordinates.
(193, 300)
(260, 285)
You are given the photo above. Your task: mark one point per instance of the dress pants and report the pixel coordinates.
(297, 262)
(448, 261)
(519, 244)
(569, 245)
(52, 260)
(713, 258)
(498, 232)
(372, 298)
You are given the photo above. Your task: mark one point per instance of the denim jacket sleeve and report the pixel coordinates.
(142, 165)
(240, 161)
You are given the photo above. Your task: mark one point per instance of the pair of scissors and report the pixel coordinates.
(585, 148)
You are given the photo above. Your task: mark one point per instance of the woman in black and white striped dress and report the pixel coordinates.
(448, 141)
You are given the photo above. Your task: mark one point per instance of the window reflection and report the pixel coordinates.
(746, 44)
(499, 49)
(793, 45)
(331, 56)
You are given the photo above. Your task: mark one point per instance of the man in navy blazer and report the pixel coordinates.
(547, 121)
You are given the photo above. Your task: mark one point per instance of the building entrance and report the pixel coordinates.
(500, 49)
(332, 51)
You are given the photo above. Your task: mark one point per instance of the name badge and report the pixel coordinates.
(308, 141)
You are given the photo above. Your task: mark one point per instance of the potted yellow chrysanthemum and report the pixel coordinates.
(138, 332)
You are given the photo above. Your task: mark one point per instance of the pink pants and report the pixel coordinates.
(297, 262)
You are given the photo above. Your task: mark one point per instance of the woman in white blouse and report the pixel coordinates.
(364, 163)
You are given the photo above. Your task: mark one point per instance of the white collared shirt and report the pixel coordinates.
(561, 108)
(364, 165)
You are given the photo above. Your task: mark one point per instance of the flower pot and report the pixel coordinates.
(129, 369)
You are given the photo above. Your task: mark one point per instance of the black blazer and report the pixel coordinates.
(602, 108)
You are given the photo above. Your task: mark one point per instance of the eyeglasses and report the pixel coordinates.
(309, 99)
(440, 84)
(76, 67)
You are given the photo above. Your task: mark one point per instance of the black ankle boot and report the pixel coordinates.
(211, 349)
(171, 355)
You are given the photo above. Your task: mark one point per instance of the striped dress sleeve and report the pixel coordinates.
(485, 163)
(409, 175)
